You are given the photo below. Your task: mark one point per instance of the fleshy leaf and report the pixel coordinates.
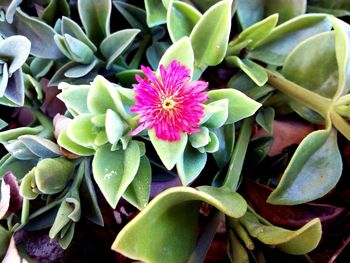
(95, 16)
(41, 147)
(216, 113)
(138, 191)
(156, 12)
(265, 118)
(67, 143)
(114, 170)
(240, 105)
(40, 35)
(297, 242)
(171, 220)
(181, 51)
(313, 171)
(190, 164)
(168, 152)
(114, 45)
(210, 49)
(115, 127)
(182, 18)
(75, 97)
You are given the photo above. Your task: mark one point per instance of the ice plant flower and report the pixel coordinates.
(171, 104)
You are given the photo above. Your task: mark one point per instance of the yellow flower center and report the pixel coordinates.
(168, 103)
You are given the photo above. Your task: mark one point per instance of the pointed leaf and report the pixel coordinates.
(138, 191)
(171, 220)
(317, 162)
(95, 16)
(168, 152)
(75, 97)
(41, 147)
(156, 13)
(67, 143)
(114, 170)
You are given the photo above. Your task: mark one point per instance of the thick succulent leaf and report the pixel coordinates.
(200, 139)
(338, 7)
(80, 70)
(181, 19)
(95, 16)
(210, 49)
(226, 137)
(18, 167)
(240, 105)
(342, 37)
(3, 124)
(70, 27)
(213, 144)
(297, 242)
(27, 185)
(324, 70)
(78, 50)
(114, 45)
(155, 52)
(55, 8)
(171, 219)
(15, 51)
(256, 72)
(250, 12)
(256, 33)
(134, 15)
(5, 237)
(115, 126)
(103, 95)
(215, 114)
(40, 35)
(265, 118)
(114, 170)
(13, 134)
(168, 152)
(181, 51)
(285, 37)
(156, 12)
(18, 150)
(139, 190)
(10, 7)
(68, 144)
(40, 67)
(313, 171)
(75, 97)
(41, 147)
(15, 89)
(83, 131)
(190, 164)
(287, 9)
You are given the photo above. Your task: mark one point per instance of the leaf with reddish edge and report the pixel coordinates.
(11, 201)
(288, 216)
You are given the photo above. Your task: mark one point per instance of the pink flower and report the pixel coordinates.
(172, 104)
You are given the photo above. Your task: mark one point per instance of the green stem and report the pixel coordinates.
(135, 62)
(239, 152)
(25, 210)
(46, 122)
(342, 125)
(310, 99)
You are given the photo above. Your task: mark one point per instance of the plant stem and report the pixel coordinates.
(239, 152)
(25, 210)
(135, 62)
(342, 125)
(310, 99)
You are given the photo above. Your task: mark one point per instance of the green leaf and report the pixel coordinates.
(138, 191)
(115, 127)
(213, 145)
(40, 67)
(190, 164)
(181, 51)
(5, 237)
(324, 70)
(337, 7)
(250, 12)
(210, 49)
(3, 124)
(171, 220)
(285, 37)
(80, 70)
(72, 28)
(13, 134)
(114, 45)
(82, 131)
(155, 52)
(52, 175)
(256, 33)
(103, 95)
(74, 97)
(78, 50)
(135, 16)
(41, 147)
(200, 139)
(15, 51)
(215, 113)
(55, 8)
(67, 143)
(240, 106)
(226, 137)
(39, 34)
(342, 49)
(297, 242)
(181, 19)
(114, 170)
(156, 12)
(256, 72)
(265, 118)
(18, 167)
(95, 16)
(287, 9)
(168, 152)
(313, 171)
